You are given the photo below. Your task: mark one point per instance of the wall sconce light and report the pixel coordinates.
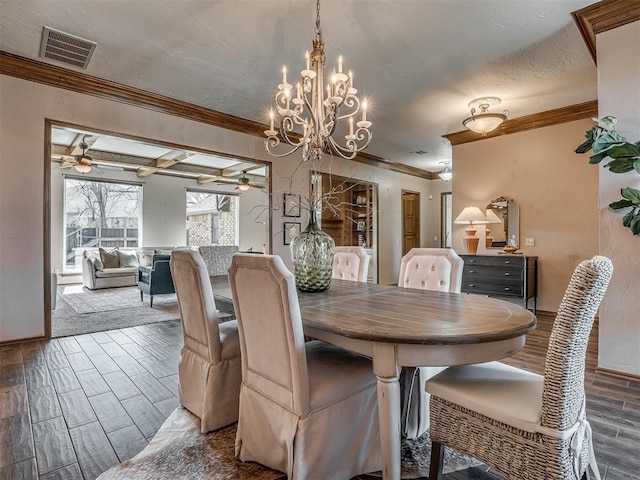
(446, 174)
(471, 216)
(481, 120)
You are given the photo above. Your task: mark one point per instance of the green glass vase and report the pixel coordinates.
(312, 252)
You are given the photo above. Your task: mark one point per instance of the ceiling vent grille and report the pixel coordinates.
(65, 48)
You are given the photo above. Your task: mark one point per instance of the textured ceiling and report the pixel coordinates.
(419, 62)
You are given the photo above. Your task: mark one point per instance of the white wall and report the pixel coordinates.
(24, 106)
(619, 95)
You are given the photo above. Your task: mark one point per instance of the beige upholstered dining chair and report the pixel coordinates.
(306, 409)
(209, 371)
(438, 269)
(527, 426)
(350, 263)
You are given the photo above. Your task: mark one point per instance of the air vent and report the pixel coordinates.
(65, 48)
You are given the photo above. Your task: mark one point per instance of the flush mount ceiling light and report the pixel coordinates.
(446, 174)
(310, 117)
(481, 120)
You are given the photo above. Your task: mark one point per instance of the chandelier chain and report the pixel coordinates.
(318, 29)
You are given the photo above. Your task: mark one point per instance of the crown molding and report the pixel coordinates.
(603, 16)
(35, 71)
(530, 122)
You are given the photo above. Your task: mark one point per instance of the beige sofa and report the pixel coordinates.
(95, 275)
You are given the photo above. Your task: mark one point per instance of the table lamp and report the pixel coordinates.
(471, 216)
(491, 218)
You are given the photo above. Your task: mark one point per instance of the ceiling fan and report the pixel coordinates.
(243, 183)
(83, 162)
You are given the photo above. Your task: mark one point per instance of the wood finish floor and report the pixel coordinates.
(73, 407)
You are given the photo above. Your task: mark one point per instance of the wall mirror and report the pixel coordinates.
(504, 222)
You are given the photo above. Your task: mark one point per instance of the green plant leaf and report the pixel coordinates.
(586, 146)
(625, 150)
(635, 225)
(620, 165)
(597, 158)
(619, 205)
(636, 165)
(607, 140)
(631, 194)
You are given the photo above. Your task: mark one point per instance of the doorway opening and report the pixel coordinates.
(130, 196)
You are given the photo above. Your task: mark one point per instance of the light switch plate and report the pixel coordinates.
(530, 242)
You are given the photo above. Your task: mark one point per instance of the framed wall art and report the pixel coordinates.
(291, 205)
(291, 230)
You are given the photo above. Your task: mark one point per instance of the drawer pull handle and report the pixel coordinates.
(507, 262)
(471, 285)
(472, 271)
(507, 274)
(507, 289)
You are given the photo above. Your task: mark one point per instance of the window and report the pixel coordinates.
(100, 214)
(212, 218)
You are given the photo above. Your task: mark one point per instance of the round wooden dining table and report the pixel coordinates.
(399, 327)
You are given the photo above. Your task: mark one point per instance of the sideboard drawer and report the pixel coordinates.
(484, 288)
(512, 276)
(497, 273)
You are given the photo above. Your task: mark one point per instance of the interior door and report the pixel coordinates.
(410, 221)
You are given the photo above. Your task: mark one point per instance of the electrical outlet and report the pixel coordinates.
(435, 238)
(530, 242)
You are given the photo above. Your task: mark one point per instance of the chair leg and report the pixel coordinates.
(437, 461)
(141, 296)
(151, 300)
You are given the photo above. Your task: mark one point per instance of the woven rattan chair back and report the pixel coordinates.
(565, 361)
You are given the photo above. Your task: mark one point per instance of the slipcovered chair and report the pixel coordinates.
(306, 409)
(209, 371)
(438, 269)
(350, 263)
(155, 280)
(525, 425)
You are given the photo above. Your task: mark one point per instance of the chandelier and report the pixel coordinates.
(483, 121)
(314, 117)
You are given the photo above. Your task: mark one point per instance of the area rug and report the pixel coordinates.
(66, 321)
(83, 300)
(180, 451)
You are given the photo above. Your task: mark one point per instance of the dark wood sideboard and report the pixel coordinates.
(513, 276)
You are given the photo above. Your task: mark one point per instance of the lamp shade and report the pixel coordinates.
(492, 217)
(485, 122)
(471, 215)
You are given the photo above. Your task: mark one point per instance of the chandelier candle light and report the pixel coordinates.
(307, 115)
(471, 216)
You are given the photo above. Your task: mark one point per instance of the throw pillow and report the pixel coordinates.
(128, 259)
(97, 263)
(109, 259)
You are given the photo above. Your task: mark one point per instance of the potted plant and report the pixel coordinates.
(625, 157)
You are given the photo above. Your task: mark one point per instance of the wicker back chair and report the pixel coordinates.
(525, 425)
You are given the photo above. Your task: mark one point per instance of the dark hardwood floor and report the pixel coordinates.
(73, 407)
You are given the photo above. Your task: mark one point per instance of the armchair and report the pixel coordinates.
(155, 280)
